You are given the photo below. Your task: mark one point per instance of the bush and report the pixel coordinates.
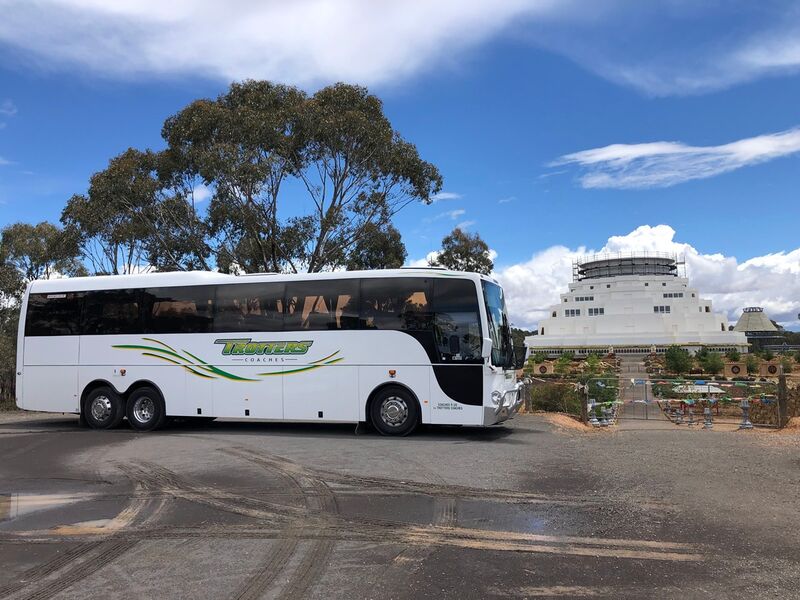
(678, 360)
(767, 354)
(554, 397)
(538, 358)
(797, 356)
(786, 364)
(733, 355)
(713, 363)
(751, 363)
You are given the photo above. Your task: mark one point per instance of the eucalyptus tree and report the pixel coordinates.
(377, 248)
(462, 251)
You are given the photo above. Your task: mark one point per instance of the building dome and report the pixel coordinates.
(613, 265)
(754, 319)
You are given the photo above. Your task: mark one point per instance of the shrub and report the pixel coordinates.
(678, 360)
(713, 363)
(733, 355)
(751, 363)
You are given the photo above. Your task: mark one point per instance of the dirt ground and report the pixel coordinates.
(531, 508)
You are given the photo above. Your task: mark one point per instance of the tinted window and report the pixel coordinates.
(111, 311)
(54, 314)
(178, 309)
(249, 307)
(397, 303)
(457, 320)
(322, 304)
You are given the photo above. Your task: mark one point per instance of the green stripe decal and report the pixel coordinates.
(197, 366)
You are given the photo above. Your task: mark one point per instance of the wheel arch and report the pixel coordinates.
(139, 383)
(390, 384)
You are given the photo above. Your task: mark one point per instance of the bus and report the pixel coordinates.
(394, 348)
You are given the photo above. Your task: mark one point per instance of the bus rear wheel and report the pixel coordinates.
(103, 408)
(394, 411)
(145, 408)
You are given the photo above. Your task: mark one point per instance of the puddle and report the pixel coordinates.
(17, 505)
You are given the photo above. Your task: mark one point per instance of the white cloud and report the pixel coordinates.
(4, 162)
(464, 225)
(301, 42)
(506, 200)
(7, 108)
(771, 281)
(424, 262)
(664, 164)
(659, 47)
(201, 193)
(445, 196)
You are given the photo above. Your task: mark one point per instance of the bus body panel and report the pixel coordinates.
(50, 368)
(247, 399)
(329, 393)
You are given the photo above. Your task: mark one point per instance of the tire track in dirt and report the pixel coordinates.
(34, 574)
(108, 552)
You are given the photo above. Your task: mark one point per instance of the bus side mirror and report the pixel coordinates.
(486, 348)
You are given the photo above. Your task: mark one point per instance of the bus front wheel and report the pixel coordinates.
(103, 408)
(394, 411)
(145, 409)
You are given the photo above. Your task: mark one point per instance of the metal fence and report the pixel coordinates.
(605, 400)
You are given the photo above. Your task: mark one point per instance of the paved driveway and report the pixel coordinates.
(254, 510)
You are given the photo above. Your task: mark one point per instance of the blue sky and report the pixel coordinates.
(556, 125)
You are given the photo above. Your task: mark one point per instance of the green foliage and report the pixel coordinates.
(797, 356)
(463, 251)
(569, 355)
(751, 363)
(593, 364)
(378, 248)
(518, 336)
(787, 364)
(539, 357)
(554, 397)
(678, 360)
(562, 365)
(733, 355)
(243, 148)
(767, 354)
(38, 252)
(9, 315)
(713, 364)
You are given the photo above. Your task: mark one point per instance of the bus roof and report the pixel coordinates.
(184, 278)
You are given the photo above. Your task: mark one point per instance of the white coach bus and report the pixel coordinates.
(394, 348)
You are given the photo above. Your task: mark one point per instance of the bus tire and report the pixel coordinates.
(145, 408)
(103, 408)
(394, 411)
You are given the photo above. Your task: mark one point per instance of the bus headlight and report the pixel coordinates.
(497, 397)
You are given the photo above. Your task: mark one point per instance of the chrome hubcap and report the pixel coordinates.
(143, 409)
(394, 411)
(101, 408)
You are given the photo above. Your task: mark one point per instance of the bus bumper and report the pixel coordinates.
(512, 399)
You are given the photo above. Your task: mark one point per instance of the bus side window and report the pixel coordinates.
(249, 307)
(111, 312)
(457, 320)
(396, 304)
(321, 305)
(54, 314)
(179, 309)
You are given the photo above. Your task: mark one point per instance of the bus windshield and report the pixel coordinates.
(499, 329)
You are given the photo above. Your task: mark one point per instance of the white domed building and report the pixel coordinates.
(632, 304)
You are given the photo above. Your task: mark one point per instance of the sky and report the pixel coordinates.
(561, 127)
